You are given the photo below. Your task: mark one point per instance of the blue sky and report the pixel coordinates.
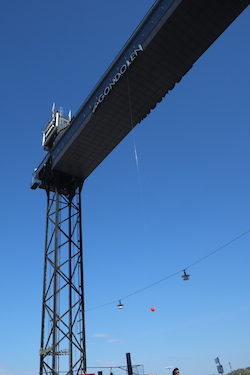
(189, 196)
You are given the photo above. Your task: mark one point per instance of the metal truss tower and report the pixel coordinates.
(165, 46)
(63, 332)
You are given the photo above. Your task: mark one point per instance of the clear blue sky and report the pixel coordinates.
(189, 196)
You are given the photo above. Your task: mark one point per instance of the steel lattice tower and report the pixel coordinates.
(162, 50)
(63, 332)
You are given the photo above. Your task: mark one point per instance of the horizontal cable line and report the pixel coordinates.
(173, 274)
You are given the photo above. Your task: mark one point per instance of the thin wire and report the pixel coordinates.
(149, 286)
(133, 135)
(219, 248)
(175, 273)
(98, 307)
(111, 367)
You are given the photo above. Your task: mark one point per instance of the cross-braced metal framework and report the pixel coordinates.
(63, 332)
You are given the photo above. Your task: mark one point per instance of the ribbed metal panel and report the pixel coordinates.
(183, 32)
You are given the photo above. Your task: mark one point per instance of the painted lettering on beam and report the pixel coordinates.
(116, 78)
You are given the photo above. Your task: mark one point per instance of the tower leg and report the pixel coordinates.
(63, 329)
